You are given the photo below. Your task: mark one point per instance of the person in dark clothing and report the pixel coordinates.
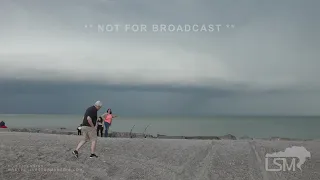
(89, 129)
(100, 126)
(3, 124)
(79, 129)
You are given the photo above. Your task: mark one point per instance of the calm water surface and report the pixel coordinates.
(258, 127)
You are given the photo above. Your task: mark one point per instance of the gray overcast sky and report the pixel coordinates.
(266, 62)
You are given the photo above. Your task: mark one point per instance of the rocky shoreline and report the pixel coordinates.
(65, 131)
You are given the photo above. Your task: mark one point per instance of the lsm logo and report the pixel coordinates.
(280, 160)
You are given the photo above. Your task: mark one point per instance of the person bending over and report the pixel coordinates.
(79, 129)
(89, 129)
(100, 126)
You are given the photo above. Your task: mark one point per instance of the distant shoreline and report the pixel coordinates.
(64, 131)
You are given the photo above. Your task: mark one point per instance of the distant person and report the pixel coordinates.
(89, 129)
(3, 124)
(100, 126)
(107, 121)
(79, 129)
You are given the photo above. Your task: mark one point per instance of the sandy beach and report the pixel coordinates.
(48, 157)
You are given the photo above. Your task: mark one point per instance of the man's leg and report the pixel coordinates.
(81, 143)
(86, 138)
(102, 131)
(93, 139)
(93, 146)
(75, 152)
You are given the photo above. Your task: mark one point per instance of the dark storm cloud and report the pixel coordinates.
(267, 64)
(46, 97)
(128, 100)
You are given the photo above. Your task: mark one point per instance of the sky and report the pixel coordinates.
(239, 57)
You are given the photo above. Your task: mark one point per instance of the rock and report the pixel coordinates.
(160, 135)
(229, 137)
(246, 138)
(282, 139)
(171, 137)
(203, 137)
(24, 130)
(14, 129)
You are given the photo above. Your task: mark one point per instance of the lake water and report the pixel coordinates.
(258, 127)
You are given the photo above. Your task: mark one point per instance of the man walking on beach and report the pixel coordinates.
(89, 129)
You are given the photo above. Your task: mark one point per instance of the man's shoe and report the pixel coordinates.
(75, 153)
(93, 155)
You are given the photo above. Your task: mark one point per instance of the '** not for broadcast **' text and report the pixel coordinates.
(138, 28)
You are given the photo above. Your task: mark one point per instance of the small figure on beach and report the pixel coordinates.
(100, 126)
(89, 129)
(107, 121)
(79, 129)
(3, 124)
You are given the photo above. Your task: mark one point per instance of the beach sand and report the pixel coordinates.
(42, 156)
